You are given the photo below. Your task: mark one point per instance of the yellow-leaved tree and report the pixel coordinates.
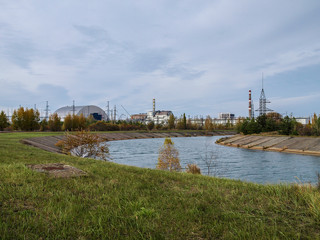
(168, 157)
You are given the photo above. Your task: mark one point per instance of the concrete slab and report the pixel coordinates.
(57, 170)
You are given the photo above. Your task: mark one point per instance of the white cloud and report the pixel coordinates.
(194, 57)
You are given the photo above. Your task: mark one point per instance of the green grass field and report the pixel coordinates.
(121, 202)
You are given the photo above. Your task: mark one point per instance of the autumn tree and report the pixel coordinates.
(67, 123)
(208, 125)
(81, 122)
(3, 121)
(168, 157)
(25, 119)
(274, 115)
(182, 123)
(315, 124)
(54, 123)
(171, 122)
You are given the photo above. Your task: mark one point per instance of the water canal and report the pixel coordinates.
(235, 163)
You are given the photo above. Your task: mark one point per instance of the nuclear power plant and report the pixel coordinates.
(156, 116)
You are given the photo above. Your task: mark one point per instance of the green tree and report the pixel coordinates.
(150, 125)
(287, 126)
(262, 122)
(315, 125)
(271, 125)
(168, 157)
(184, 121)
(44, 125)
(3, 121)
(171, 121)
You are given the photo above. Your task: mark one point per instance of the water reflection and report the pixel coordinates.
(236, 163)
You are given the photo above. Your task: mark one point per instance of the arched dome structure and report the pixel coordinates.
(89, 110)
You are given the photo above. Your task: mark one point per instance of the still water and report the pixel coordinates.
(236, 163)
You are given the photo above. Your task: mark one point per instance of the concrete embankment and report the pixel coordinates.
(287, 144)
(48, 143)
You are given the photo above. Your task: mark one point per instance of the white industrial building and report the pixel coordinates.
(158, 117)
(90, 110)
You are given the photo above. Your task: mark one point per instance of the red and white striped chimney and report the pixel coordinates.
(250, 108)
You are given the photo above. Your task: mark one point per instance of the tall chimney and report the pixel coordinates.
(154, 105)
(250, 108)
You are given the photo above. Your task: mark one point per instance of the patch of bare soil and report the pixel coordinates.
(57, 170)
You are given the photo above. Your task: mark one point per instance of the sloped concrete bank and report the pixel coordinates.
(48, 143)
(287, 144)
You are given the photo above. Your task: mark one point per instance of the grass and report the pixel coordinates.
(121, 202)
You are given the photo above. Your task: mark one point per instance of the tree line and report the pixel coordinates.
(274, 122)
(25, 119)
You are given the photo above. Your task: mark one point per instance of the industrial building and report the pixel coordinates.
(90, 110)
(158, 117)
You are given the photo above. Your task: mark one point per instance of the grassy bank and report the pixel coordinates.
(121, 202)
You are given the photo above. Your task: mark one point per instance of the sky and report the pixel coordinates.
(195, 57)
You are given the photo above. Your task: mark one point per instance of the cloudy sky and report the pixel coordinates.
(195, 57)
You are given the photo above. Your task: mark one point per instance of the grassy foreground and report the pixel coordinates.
(121, 202)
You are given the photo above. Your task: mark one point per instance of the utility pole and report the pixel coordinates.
(73, 108)
(115, 113)
(47, 111)
(108, 112)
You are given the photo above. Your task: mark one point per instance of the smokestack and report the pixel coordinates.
(154, 105)
(250, 107)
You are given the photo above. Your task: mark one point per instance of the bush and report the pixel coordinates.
(84, 144)
(150, 126)
(103, 126)
(193, 168)
(128, 127)
(168, 157)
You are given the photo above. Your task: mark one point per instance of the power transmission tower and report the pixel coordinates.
(73, 108)
(263, 102)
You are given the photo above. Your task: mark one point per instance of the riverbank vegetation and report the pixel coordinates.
(121, 202)
(274, 122)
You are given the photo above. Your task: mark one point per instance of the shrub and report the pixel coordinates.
(168, 157)
(193, 168)
(103, 126)
(150, 126)
(84, 144)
